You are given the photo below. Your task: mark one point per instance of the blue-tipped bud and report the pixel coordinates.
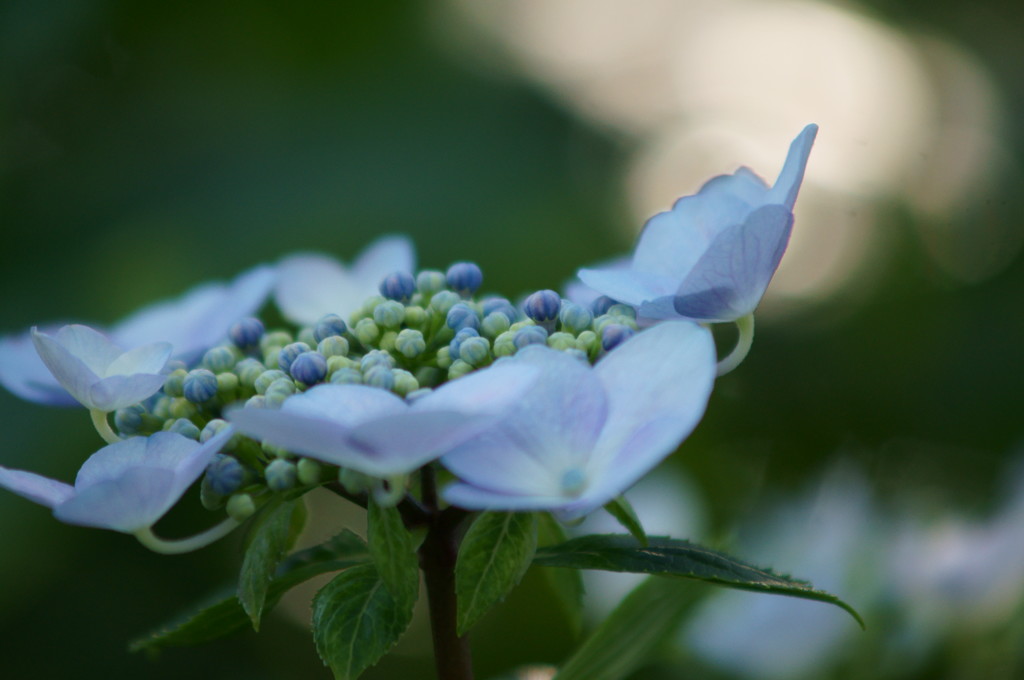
(347, 376)
(614, 334)
(267, 379)
(376, 357)
(200, 385)
(281, 475)
(464, 278)
(410, 343)
(405, 382)
(224, 475)
(502, 305)
(329, 326)
(248, 370)
(443, 301)
(430, 281)
(333, 346)
(290, 353)
(185, 427)
(389, 314)
(246, 333)
(543, 306)
(575, 318)
(398, 286)
(601, 305)
(475, 351)
(530, 335)
(220, 359)
(309, 368)
(240, 507)
(460, 337)
(462, 316)
(212, 428)
(366, 331)
(129, 420)
(494, 324)
(379, 376)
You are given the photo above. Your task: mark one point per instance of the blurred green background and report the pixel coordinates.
(147, 147)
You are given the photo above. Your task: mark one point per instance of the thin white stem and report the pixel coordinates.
(183, 545)
(745, 326)
(102, 425)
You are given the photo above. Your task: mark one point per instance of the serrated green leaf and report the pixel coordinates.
(493, 557)
(393, 552)
(356, 621)
(623, 512)
(566, 584)
(628, 638)
(271, 536)
(673, 557)
(222, 614)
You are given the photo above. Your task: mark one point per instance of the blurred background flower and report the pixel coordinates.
(146, 148)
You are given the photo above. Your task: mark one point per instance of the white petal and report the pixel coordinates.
(36, 488)
(146, 359)
(311, 285)
(92, 348)
(386, 255)
(70, 371)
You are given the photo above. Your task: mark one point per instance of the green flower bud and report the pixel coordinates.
(227, 386)
(278, 391)
(366, 331)
(415, 316)
(505, 344)
(183, 408)
(443, 301)
(475, 351)
(444, 357)
(387, 341)
(185, 428)
(210, 499)
(211, 429)
(336, 363)
(275, 339)
(256, 401)
(241, 507)
(333, 346)
(458, 369)
(347, 376)
(248, 370)
(308, 471)
(589, 342)
(519, 325)
(220, 359)
(622, 310)
(162, 408)
(268, 377)
(306, 335)
(410, 343)
(494, 325)
(430, 281)
(354, 482)
(389, 314)
(281, 475)
(562, 341)
(174, 386)
(274, 451)
(129, 421)
(404, 382)
(272, 357)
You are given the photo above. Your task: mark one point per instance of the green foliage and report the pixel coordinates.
(273, 532)
(628, 638)
(223, 613)
(493, 557)
(623, 511)
(566, 584)
(673, 557)
(393, 552)
(356, 620)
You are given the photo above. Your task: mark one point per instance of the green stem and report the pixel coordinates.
(102, 425)
(438, 553)
(745, 326)
(183, 545)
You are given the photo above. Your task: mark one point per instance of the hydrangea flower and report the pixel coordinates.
(191, 324)
(711, 257)
(583, 435)
(378, 433)
(312, 285)
(97, 373)
(126, 486)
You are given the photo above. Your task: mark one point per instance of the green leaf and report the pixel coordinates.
(566, 584)
(493, 557)
(628, 638)
(271, 536)
(621, 510)
(222, 614)
(356, 620)
(673, 557)
(393, 552)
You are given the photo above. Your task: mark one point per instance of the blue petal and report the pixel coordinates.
(121, 391)
(475, 498)
(731, 277)
(788, 184)
(70, 371)
(36, 488)
(23, 372)
(134, 500)
(631, 286)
